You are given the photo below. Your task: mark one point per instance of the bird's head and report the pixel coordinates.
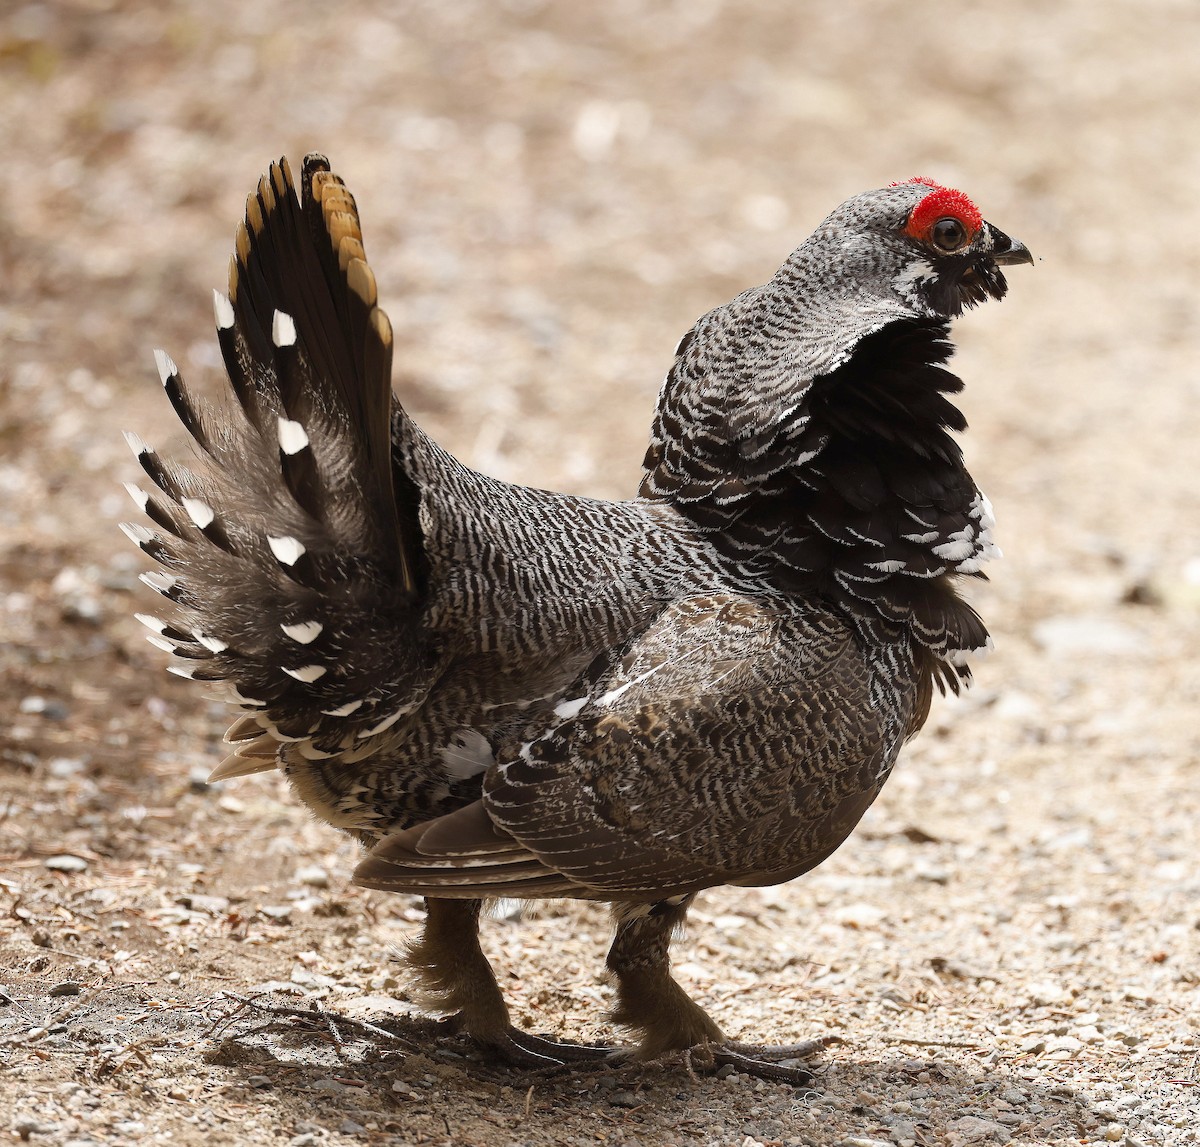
(924, 245)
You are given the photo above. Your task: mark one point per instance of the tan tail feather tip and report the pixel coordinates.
(235, 766)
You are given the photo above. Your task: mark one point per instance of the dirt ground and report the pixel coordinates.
(552, 193)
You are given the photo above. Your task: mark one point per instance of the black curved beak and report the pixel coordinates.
(1008, 252)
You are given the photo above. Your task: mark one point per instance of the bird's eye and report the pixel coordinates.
(949, 234)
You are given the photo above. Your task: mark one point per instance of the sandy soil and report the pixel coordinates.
(552, 193)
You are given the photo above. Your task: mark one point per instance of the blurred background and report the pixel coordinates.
(551, 194)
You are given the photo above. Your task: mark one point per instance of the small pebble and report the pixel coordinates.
(313, 875)
(624, 1099)
(213, 905)
(349, 1127)
(259, 1081)
(26, 1127)
(62, 767)
(65, 863)
(330, 1085)
(65, 988)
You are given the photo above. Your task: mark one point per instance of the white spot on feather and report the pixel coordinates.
(283, 329)
(136, 443)
(199, 511)
(286, 549)
(151, 622)
(304, 632)
(565, 710)
(212, 644)
(344, 710)
(140, 497)
(182, 670)
(136, 533)
(166, 365)
(159, 580)
(292, 436)
(306, 673)
(889, 567)
(222, 311)
(163, 643)
(955, 551)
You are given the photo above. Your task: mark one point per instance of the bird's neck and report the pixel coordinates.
(854, 489)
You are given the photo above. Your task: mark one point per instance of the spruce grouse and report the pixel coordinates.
(509, 692)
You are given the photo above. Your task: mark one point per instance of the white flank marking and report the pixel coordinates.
(310, 752)
(273, 729)
(306, 673)
(612, 695)
(467, 756)
(921, 539)
(305, 632)
(386, 723)
(283, 330)
(235, 695)
(222, 311)
(166, 365)
(292, 436)
(140, 497)
(286, 549)
(343, 710)
(199, 511)
(568, 709)
(889, 567)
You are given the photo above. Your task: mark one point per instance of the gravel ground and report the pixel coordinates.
(552, 193)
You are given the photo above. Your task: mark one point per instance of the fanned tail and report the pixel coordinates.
(293, 540)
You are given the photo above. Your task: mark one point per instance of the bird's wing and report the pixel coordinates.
(291, 550)
(735, 740)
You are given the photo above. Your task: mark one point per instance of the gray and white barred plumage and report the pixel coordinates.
(503, 691)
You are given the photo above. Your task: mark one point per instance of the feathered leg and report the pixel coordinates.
(652, 1004)
(648, 1000)
(455, 978)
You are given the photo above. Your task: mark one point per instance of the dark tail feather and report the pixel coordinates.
(288, 543)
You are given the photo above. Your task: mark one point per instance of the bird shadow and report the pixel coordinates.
(427, 1083)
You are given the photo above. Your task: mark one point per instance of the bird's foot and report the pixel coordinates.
(763, 1061)
(523, 1049)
